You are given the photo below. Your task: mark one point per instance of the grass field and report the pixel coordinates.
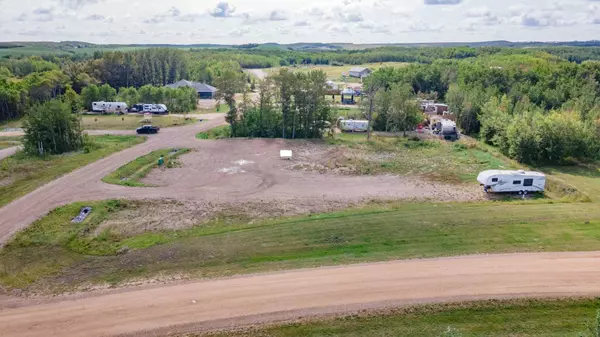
(433, 159)
(133, 172)
(21, 174)
(54, 254)
(130, 122)
(223, 131)
(334, 73)
(222, 108)
(510, 318)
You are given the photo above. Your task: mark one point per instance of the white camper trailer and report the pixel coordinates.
(109, 107)
(523, 182)
(155, 108)
(350, 125)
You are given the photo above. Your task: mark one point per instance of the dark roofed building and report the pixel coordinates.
(205, 91)
(360, 72)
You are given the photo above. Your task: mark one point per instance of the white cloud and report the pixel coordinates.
(77, 4)
(239, 31)
(244, 21)
(223, 10)
(302, 23)
(442, 2)
(277, 15)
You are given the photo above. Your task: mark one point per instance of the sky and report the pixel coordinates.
(289, 21)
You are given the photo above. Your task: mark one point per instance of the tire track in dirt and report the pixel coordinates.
(85, 183)
(256, 299)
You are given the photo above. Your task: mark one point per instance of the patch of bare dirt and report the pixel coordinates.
(335, 159)
(154, 215)
(6, 181)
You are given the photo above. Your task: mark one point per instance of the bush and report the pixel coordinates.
(50, 128)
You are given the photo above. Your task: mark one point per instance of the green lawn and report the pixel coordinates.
(219, 132)
(130, 122)
(21, 174)
(133, 172)
(53, 254)
(539, 318)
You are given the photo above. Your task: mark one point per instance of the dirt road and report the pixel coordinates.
(224, 171)
(9, 151)
(89, 132)
(288, 295)
(85, 183)
(259, 73)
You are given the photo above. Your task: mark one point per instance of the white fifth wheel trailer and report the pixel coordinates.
(350, 125)
(523, 182)
(109, 107)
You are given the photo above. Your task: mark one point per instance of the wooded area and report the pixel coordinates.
(536, 105)
(535, 109)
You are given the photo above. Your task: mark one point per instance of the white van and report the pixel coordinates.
(523, 182)
(110, 107)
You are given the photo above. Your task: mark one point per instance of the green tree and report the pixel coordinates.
(73, 99)
(89, 95)
(405, 113)
(51, 128)
(285, 81)
(107, 93)
(383, 104)
(230, 80)
(129, 96)
(369, 100)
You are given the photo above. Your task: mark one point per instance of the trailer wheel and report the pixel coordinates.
(486, 189)
(520, 192)
(524, 192)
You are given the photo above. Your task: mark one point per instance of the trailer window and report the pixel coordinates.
(494, 180)
(516, 182)
(528, 182)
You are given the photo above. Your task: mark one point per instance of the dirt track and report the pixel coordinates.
(8, 152)
(223, 171)
(85, 183)
(289, 295)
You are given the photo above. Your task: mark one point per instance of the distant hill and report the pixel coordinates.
(18, 48)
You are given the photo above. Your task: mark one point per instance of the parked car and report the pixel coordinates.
(147, 129)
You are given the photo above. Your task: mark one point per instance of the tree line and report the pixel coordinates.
(535, 109)
(182, 99)
(290, 105)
